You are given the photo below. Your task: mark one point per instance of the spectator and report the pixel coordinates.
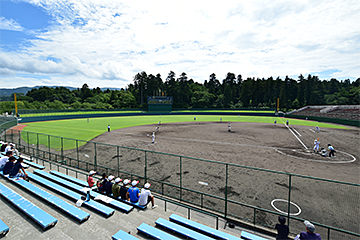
(124, 189)
(116, 187)
(9, 147)
(146, 197)
(4, 159)
(15, 172)
(309, 234)
(282, 229)
(9, 165)
(90, 179)
(101, 183)
(133, 192)
(331, 150)
(108, 185)
(3, 146)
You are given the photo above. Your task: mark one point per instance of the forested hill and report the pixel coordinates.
(231, 92)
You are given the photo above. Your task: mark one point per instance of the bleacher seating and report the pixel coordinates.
(111, 202)
(85, 184)
(34, 165)
(250, 236)
(106, 211)
(341, 112)
(201, 228)
(41, 217)
(4, 229)
(155, 233)
(67, 208)
(183, 231)
(121, 235)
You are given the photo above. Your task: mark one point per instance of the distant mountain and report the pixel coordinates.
(24, 90)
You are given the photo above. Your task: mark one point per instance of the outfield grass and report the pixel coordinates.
(81, 130)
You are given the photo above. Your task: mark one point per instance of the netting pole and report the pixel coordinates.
(289, 200)
(95, 157)
(62, 150)
(77, 152)
(180, 178)
(145, 168)
(118, 159)
(37, 145)
(49, 147)
(28, 143)
(19, 137)
(226, 188)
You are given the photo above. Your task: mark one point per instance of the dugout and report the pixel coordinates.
(160, 104)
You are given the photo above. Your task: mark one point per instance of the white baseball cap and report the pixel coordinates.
(147, 185)
(111, 177)
(126, 181)
(92, 172)
(134, 183)
(117, 180)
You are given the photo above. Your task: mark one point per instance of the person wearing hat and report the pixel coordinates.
(9, 147)
(116, 187)
(101, 183)
(153, 138)
(282, 229)
(4, 159)
(15, 172)
(309, 234)
(316, 145)
(9, 165)
(146, 197)
(133, 192)
(124, 189)
(108, 185)
(332, 150)
(90, 179)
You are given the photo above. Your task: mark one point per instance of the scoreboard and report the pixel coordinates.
(160, 104)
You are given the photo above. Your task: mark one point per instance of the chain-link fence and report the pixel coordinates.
(247, 193)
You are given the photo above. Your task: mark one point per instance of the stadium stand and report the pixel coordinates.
(201, 228)
(155, 233)
(121, 235)
(109, 201)
(104, 210)
(349, 112)
(250, 236)
(4, 229)
(183, 231)
(42, 218)
(85, 184)
(66, 208)
(34, 165)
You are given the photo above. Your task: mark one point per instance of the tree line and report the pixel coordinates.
(231, 92)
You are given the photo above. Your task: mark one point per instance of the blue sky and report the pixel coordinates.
(105, 43)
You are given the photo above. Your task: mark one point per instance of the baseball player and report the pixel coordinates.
(316, 145)
(332, 150)
(317, 129)
(229, 127)
(157, 129)
(153, 138)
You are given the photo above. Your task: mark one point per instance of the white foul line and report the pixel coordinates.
(312, 130)
(296, 136)
(296, 131)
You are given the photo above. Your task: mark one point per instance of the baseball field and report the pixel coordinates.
(267, 151)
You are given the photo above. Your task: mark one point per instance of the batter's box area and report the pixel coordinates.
(309, 154)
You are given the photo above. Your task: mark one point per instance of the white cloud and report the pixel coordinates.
(9, 24)
(108, 42)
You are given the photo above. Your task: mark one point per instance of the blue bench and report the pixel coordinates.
(183, 231)
(41, 217)
(113, 203)
(4, 229)
(85, 184)
(121, 235)
(202, 228)
(154, 232)
(67, 208)
(250, 236)
(72, 195)
(35, 165)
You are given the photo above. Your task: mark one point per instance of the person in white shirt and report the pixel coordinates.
(9, 147)
(146, 197)
(4, 159)
(316, 145)
(153, 138)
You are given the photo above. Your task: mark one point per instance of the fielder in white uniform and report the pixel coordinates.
(316, 145)
(153, 138)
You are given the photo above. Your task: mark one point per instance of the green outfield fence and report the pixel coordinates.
(232, 191)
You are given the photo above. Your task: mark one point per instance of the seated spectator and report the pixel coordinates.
(9, 147)
(9, 165)
(108, 185)
(3, 146)
(133, 192)
(90, 179)
(15, 172)
(101, 183)
(4, 159)
(309, 234)
(116, 187)
(124, 189)
(146, 197)
(282, 229)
